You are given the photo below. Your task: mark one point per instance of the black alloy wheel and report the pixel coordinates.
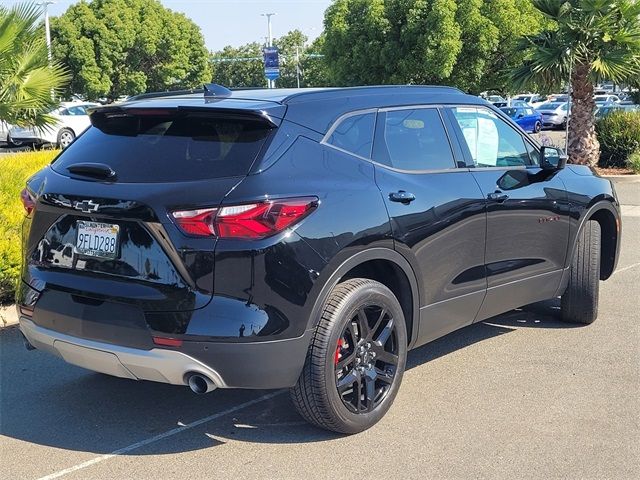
(366, 358)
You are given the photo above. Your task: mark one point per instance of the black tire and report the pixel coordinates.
(65, 137)
(537, 127)
(339, 340)
(580, 300)
(13, 143)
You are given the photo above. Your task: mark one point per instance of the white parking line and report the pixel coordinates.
(628, 267)
(161, 436)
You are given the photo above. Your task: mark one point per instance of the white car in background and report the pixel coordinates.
(71, 120)
(602, 100)
(4, 135)
(532, 99)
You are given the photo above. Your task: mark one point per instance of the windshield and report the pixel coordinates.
(511, 112)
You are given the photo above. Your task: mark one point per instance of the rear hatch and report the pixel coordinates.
(102, 232)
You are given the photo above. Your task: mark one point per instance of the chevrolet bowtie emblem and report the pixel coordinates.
(86, 206)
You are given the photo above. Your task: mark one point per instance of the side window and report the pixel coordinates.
(355, 134)
(491, 142)
(413, 140)
(76, 111)
(529, 111)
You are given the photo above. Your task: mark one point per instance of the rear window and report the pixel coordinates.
(169, 147)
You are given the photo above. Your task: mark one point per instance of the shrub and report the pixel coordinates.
(634, 162)
(15, 169)
(619, 137)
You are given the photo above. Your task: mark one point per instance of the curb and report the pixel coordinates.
(8, 316)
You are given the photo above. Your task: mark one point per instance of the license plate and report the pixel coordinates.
(97, 239)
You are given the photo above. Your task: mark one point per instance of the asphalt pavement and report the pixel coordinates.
(521, 395)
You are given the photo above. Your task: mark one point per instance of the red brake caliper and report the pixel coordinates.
(337, 356)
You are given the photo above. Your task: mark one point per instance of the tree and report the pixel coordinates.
(239, 67)
(594, 39)
(470, 44)
(27, 80)
(124, 47)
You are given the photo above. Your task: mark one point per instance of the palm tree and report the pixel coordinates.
(28, 81)
(592, 39)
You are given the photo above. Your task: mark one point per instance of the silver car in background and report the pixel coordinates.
(554, 114)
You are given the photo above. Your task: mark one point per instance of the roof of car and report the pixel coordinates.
(315, 108)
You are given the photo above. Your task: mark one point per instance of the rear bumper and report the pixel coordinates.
(275, 364)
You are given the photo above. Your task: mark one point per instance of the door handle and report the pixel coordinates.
(498, 196)
(402, 197)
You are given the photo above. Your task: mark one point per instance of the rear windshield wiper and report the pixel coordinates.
(96, 170)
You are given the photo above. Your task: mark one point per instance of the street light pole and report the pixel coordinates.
(269, 39)
(45, 7)
(298, 65)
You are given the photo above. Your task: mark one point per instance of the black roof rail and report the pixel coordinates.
(171, 93)
(210, 90)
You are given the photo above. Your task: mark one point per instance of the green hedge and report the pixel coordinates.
(15, 169)
(619, 137)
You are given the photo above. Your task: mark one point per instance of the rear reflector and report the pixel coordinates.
(27, 201)
(26, 311)
(251, 221)
(167, 342)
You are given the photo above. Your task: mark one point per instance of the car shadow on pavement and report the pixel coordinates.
(46, 402)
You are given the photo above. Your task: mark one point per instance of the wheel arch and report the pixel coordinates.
(382, 265)
(608, 216)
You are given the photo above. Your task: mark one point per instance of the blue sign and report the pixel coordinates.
(271, 63)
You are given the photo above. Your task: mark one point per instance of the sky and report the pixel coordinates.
(236, 22)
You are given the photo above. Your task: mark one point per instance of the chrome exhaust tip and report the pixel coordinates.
(199, 383)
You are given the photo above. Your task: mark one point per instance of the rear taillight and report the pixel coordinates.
(252, 221)
(27, 201)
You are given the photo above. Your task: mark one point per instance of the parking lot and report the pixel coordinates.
(521, 395)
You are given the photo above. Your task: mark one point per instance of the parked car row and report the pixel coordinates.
(532, 112)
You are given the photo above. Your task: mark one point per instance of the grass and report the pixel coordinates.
(15, 169)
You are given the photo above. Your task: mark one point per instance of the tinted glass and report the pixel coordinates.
(491, 141)
(168, 148)
(510, 112)
(355, 134)
(414, 140)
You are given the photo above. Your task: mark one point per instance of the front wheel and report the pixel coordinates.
(579, 303)
(13, 143)
(356, 360)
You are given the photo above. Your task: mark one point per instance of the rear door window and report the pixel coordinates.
(169, 147)
(413, 140)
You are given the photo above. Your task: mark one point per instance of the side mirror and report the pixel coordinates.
(552, 158)
(520, 115)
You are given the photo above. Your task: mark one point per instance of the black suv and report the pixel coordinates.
(301, 238)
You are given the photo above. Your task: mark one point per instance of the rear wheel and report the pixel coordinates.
(356, 359)
(580, 299)
(65, 137)
(537, 127)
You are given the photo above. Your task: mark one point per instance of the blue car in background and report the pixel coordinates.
(528, 118)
